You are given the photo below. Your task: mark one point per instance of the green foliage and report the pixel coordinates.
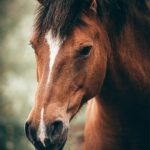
(17, 79)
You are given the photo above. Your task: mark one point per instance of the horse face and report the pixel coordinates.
(70, 72)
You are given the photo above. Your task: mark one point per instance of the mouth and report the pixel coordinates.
(57, 146)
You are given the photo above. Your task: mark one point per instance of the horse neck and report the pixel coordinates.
(120, 119)
(126, 92)
(118, 129)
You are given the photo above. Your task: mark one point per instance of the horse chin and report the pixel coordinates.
(62, 146)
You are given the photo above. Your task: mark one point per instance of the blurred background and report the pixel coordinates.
(18, 77)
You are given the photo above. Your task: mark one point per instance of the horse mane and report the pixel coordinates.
(60, 16)
(114, 14)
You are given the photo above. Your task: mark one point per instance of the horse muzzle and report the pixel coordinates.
(54, 139)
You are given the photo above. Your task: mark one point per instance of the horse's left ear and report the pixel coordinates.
(41, 2)
(94, 6)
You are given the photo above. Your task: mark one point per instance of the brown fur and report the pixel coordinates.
(116, 74)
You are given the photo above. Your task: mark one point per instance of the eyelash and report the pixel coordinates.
(31, 45)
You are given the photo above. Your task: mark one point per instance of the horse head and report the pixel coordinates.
(71, 54)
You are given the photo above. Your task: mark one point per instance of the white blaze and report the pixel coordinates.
(42, 128)
(54, 46)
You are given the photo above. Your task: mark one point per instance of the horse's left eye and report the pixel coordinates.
(84, 51)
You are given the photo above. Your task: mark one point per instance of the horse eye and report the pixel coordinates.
(85, 51)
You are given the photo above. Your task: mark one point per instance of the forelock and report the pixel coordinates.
(59, 16)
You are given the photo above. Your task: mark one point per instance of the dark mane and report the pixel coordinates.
(60, 16)
(116, 13)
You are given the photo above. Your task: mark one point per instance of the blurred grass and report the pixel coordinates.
(75, 138)
(18, 77)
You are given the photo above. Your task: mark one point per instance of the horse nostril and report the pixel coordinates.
(55, 130)
(55, 135)
(30, 132)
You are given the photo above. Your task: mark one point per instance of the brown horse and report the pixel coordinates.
(98, 50)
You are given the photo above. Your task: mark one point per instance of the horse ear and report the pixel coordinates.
(94, 6)
(41, 1)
